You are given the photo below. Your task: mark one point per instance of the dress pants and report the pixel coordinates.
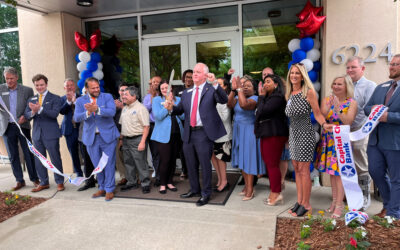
(88, 165)
(168, 153)
(361, 161)
(11, 138)
(199, 151)
(106, 178)
(385, 171)
(154, 152)
(73, 147)
(135, 161)
(53, 147)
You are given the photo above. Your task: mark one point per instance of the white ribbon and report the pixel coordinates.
(47, 164)
(345, 160)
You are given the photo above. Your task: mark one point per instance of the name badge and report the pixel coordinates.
(5, 93)
(34, 98)
(190, 90)
(386, 85)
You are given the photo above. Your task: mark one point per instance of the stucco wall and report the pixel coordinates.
(47, 46)
(359, 22)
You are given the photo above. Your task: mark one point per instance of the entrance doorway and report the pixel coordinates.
(220, 50)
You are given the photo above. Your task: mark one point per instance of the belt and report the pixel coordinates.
(97, 133)
(196, 128)
(132, 137)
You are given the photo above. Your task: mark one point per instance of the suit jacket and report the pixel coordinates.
(45, 124)
(270, 116)
(162, 127)
(67, 127)
(23, 95)
(386, 134)
(103, 121)
(213, 126)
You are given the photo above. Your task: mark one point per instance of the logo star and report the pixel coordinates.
(348, 171)
(367, 127)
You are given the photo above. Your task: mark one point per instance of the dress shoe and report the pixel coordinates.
(18, 186)
(189, 195)
(40, 188)
(294, 208)
(164, 191)
(109, 196)
(302, 211)
(60, 187)
(146, 189)
(99, 193)
(36, 183)
(174, 189)
(122, 182)
(86, 186)
(247, 198)
(129, 187)
(202, 201)
(382, 213)
(274, 202)
(224, 189)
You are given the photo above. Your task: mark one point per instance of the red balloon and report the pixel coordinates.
(310, 25)
(307, 10)
(81, 41)
(95, 39)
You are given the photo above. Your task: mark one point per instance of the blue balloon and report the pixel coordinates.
(91, 65)
(290, 64)
(298, 55)
(306, 43)
(81, 83)
(317, 66)
(311, 167)
(312, 118)
(77, 58)
(313, 75)
(86, 74)
(101, 83)
(95, 57)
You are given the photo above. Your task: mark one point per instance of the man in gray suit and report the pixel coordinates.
(363, 89)
(16, 96)
(384, 142)
(44, 108)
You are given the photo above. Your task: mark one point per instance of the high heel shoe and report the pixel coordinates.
(294, 208)
(247, 198)
(338, 212)
(273, 203)
(332, 207)
(224, 189)
(302, 211)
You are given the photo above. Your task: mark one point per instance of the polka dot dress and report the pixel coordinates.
(301, 133)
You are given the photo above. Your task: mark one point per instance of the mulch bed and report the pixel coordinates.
(288, 235)
(17, 206)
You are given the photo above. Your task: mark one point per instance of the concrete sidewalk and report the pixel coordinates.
(73, 220)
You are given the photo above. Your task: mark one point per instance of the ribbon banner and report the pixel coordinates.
(344, 153)
(47, 164)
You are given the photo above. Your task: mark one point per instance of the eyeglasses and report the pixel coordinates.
(394, 64)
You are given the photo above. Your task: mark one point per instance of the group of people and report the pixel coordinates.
(211, 121)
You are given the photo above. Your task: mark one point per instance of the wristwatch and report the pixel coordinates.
(239, 89)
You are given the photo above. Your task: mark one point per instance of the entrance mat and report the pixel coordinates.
(183, 186)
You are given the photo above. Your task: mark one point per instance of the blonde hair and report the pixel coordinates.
(349, 85)
(307, 85)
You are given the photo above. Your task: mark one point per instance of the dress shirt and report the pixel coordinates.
(134, 117)
(363, 89)
(41, 107)
(198, 120)
(13, 103)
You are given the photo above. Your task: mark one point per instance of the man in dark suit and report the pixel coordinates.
(202, 127)
(384, 142)
(15, 97)
(96, 110)
(44, 108)
(70, 128)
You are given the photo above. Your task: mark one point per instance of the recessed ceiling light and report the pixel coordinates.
(84, 3)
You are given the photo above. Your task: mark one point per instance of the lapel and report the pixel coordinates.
(6, 98)
(394, 96)
(188, 100)
(205, 89)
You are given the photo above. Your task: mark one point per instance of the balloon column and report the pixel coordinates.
(306, 49)
(89, 63)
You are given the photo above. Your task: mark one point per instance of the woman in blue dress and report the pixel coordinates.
(245, 147)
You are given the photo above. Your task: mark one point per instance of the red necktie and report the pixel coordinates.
(390, 92)
(193, 115)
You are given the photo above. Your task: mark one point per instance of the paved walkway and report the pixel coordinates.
(73, 220)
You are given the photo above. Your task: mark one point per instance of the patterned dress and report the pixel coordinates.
(326, 153)
(301, 133)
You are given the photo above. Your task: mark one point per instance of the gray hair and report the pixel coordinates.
(205, 67)
(10, 70)
(133, 91)
(68, 80)
(356, 58)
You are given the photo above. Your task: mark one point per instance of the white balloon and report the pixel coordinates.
(98, 74)
(294, 44)
(317, 136)
(308, 64)
(84, 56)
(313, 55)
(317, 44)
(317, 86)
(99, 66)
(81, 66)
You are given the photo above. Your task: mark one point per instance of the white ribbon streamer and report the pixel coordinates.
(47, 164)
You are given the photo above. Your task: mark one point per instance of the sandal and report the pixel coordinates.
(338, 212)
(302, 211)
(294, 208)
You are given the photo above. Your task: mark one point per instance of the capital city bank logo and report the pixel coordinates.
(367, 127)
(348, 171)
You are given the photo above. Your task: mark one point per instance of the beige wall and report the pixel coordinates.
(47, 46)
(358, 22)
